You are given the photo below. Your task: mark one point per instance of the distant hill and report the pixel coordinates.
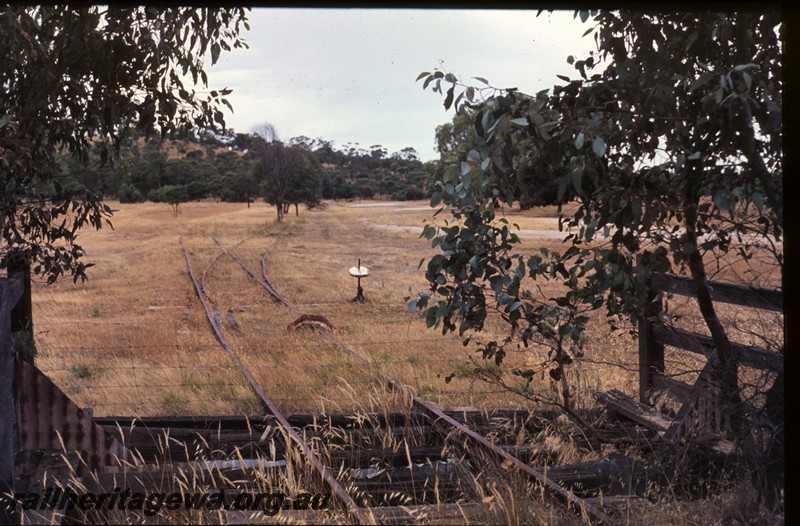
(222, 167)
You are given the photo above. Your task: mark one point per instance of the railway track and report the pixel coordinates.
(325, 474)
(456, 435)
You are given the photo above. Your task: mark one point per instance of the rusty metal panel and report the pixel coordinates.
(44, 413)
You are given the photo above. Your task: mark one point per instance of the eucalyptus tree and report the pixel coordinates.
(306, 186)
(277, 166)
(668, 138)
(74, 75)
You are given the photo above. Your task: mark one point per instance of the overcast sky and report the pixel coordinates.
(348, 75)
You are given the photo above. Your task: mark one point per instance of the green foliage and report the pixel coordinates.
(174, 195)
(24, 345)
(82, 371)
(280, 169)
(663, 150)
(174, 404)
(129, 194)
(149, 169)
(235, 176)
(305, 188)
(71, 75)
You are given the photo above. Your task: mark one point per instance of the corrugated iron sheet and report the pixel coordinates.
(44, 413)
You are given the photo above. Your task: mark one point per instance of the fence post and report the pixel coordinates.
(651, 353)
(11, 289)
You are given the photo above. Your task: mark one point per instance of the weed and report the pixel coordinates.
(174, 404)
(189, 381)
(250, 405)
(82, 371)
(466, 370)
(95, 312)
(425, 390)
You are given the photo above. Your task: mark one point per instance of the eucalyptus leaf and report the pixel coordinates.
(599, 146)
(579, 140)
(576, 176)
(655, 101)
(758, 201)
(448, 100)
(722, 200)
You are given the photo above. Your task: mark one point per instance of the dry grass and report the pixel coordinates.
(507, 497)
(134, 338)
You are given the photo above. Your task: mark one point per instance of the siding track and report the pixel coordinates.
(447, 426)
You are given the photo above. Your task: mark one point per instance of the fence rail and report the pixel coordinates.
(654, 336)
(699, 398)
(751, 356)
(746, 296)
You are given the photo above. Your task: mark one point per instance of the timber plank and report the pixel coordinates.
(750, 356)
(634, 410)
(680, 391)
(746, 296)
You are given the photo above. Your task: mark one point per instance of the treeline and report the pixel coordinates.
(231, 167)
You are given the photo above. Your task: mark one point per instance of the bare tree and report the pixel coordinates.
(265, 131)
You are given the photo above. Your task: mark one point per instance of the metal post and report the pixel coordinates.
(359, 291)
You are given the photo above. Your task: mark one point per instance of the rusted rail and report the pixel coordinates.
(267, 284)
(341, 494)
(436, 414)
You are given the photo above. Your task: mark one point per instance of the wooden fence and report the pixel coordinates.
(11, 289)
(35, 414)
(701, 398)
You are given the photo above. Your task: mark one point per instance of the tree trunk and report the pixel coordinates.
(296, 210)
(759, 168)
(565, 397)
(727, 374)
